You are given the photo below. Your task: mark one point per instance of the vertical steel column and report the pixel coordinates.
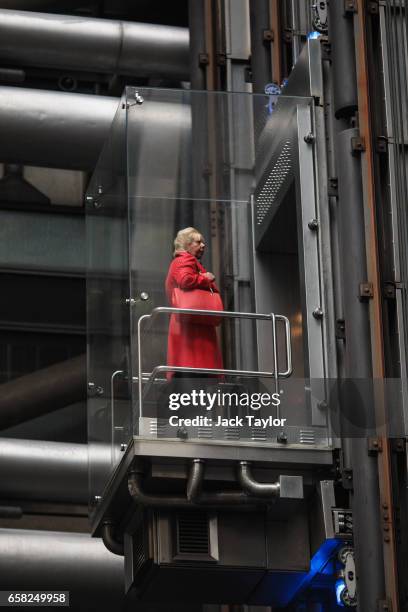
(261, 39)
(344, 69)
(373, 268)
(276, 51)
(358, 354)
(197, 44)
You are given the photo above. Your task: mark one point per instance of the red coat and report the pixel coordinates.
(189, 344)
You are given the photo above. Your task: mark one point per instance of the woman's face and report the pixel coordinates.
(196, 246)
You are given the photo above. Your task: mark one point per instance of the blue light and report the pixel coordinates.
(313, 35)
(340, 586)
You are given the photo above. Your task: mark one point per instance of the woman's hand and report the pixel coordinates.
(209, 275)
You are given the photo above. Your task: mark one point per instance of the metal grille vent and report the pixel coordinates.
(205, 432)
(193, 535)
(274, 182)
(139, 552)
(231, 433)
(307, 436)
(258, 434)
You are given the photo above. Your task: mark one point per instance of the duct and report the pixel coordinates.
(261, 65)
(235, 499)
(108, 537)
(96, 45)
(68, 130)
(53, 129)
(252, 487)
(11, 512)
(42, 391)
(39, 5)
(45, 560)
(343, 60)
(50, 471)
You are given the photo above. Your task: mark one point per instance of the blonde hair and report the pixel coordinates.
(184, 238)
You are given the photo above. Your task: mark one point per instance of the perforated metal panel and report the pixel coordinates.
(280, 170)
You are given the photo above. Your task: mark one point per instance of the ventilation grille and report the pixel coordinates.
(307, 436)
(193, 535)
(139, 552)
(274, 182)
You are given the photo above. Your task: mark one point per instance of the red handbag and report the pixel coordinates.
(198, 299)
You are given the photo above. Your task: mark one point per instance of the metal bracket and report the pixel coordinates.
(373, 7)
(347, 478)
(350, 7)
(326, 50)
(287, 36)
(221, 59)
(358, 144)
(203, 59)
(398, 445)
(389, 290)
(374, 446)
(341, 329)
(366, 291)
(268, 36)
(333, 190)
(381, 144)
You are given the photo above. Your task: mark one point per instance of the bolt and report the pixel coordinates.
(318, 313)
(322, 405)
(130, 301)
(313, 224)
(309, 138)
(144, 296)
(139, 99)
(99, 390)
(97, 204)
(182, 433)
(97, 499)
(89, 198)
(123, 447)
(282, 438)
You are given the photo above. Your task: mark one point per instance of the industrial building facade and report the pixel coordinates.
(163, 454)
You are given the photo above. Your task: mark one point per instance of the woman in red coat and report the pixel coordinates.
(190, 344)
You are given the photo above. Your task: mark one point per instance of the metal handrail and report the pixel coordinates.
(219, 313)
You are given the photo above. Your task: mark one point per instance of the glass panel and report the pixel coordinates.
(107, 312)
(239, 169)
(217, 162)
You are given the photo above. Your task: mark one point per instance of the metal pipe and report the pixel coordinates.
(343, 65)
(68, 130)
(53, 129)
(108, 537)
(42, 391)
(11, 512)
(261, 40)
(252, 486)
(50, 471)
(194, 497)
(196, 19)
(72, 562)
(74, 42)
(358, 365)
(195, 480)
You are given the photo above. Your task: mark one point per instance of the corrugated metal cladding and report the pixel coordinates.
(394, 30)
